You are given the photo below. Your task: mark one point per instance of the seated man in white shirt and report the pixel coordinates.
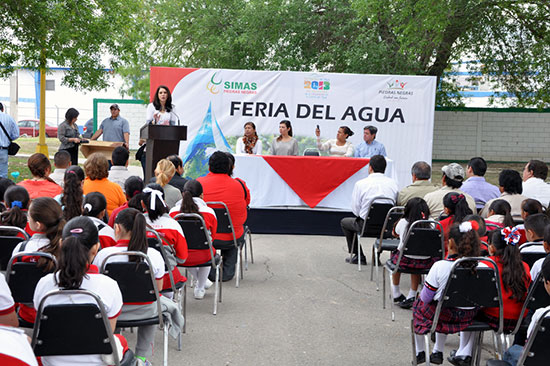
(61, 160)
(375, 185)
(534, 185)
(119, 171)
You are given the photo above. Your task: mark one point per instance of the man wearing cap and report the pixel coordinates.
(370, 147)
(114, 128)
(451, 181)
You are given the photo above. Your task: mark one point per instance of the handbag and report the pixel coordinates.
(13, 148)
(140, 152)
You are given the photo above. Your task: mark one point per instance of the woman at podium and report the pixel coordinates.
(161, 111)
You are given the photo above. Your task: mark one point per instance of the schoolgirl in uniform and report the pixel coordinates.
(72, 196)
(170, 231)
(193, 202)
(415, 209)
(463, 242)
(499, 215)
(16, 201)
(75, 271)
(132, 188)
(95, 207)
(456, 208)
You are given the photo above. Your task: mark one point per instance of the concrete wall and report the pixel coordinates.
(495, 134)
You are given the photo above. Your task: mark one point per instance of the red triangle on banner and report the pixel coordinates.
(313, 178)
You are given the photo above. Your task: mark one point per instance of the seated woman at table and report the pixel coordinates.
(339, 146)
(285, 144)
(250, 143)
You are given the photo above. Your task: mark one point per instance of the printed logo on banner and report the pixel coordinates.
(316, 88)
(396, 90)
(231, 87)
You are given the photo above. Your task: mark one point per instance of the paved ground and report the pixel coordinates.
(299, 304)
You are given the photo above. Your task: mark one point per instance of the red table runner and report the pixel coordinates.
(312, 178)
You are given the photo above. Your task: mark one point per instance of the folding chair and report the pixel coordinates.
(386, 241)
(372, 224)
(467, 287)
(59, 328)
(225, 226)
(9, 242)
(311, 152)
(531, 257)
(536, 351)
(420, 241)
(137, 284)
(22, 278)
(198, 238)
(248, 234)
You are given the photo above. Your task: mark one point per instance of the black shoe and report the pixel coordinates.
(460, 360)
(436, 358)
(353, 260)
(407, 304)
(397, 300)
(420, 358)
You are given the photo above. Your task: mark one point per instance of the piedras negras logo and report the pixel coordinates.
(396, 90)
(216, 84)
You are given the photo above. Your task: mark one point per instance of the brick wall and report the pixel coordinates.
(495, 134)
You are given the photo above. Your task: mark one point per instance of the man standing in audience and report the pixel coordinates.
(534, 175)
(114, 128)
(421, 173)
(476, 186)
(370, 147)
(61, 160)
(451, 181)
(177, 180)
(119, 171)
(375, 185)
(12, 130)
(217, 185)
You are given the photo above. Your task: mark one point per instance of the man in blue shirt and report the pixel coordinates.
(370, 146)
(114, 128)
(13, 130)
(476, 185)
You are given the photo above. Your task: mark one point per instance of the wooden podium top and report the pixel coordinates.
(104, 147)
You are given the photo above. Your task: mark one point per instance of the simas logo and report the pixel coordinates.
(216, 84)
(317, 85)
(400, 85)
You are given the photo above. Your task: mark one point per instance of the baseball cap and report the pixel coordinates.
(454, 171)
(114, 106)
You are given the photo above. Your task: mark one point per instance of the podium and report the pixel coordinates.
(162, 141)
(103, 147)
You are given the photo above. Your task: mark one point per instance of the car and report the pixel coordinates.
(31, 128)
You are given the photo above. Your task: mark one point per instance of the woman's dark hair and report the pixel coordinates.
(531, 206)
(71, 201)
(16, 199)
(79, 237)
(231, 163)
(467, 243)
(251, 124)
(510, 181)
(502, 207)
(481, 223)
(347, 130)
(133, 187)
(193, 188)
(416, 209)
(457, 205)
(288, 125)
(452, 183)
(39, 165)
(47, 211)
(71, 114)
(5, 183)
(156, 101)
(513, 273)
(160, 206)
(94, 204)
(133, 222)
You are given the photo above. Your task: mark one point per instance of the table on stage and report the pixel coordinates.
(317, 182)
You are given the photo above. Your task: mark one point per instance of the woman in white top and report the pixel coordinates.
(285, 144)
(339, 146)
(162, 111)
(250, 143)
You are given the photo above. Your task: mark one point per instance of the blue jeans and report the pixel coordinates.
(3, 163)
(513, 354)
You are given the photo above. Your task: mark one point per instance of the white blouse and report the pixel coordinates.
(256, 150)
(335, 150)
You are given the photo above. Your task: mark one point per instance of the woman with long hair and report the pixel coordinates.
(456, 208)
(161, 111)
(499, 215)
(164, 172)
(250, 143)
(73, 195)
(95, 207)
(40, 185)
(69, 135)
(340, 146)
(285, 144)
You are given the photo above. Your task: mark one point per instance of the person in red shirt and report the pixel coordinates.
(132, 188)
(219, 186)
(40, 185)
(456, 208)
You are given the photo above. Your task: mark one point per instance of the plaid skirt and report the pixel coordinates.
(451, 320)
(509, 324)
(412, 263)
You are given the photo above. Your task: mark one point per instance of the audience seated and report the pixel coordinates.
(499, 215)
(97, 170)
(177, 180)
(5, 183)
(528, 207)
(509, 182)
(534, 230)
(119, 171)
(451, 181)
(456, 208)
(72, 196)
(534, 185)
(421, 173)
(17, 200)
(476, 185)
(40, 185)
(219, 186)
(95, 208)
(535, 269)
(164, 172)
(132, 188)
(61, 160)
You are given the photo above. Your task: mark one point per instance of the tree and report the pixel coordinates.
(83, 35)
(507, 39)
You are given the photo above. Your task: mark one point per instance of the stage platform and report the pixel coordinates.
(296, 221)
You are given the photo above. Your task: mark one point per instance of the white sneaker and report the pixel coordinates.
(208, 284)
(199, 293)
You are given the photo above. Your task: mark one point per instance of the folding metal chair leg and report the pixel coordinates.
(427, 348)
(238, 269)
(241, 256)
(391, 299)
(165, 344)
(217, 291)
(185, 305)
(358, 254)
(250, 243)
(377, 264)
(245, 255)
(383, 287)
(372, 262)
(413, 341)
